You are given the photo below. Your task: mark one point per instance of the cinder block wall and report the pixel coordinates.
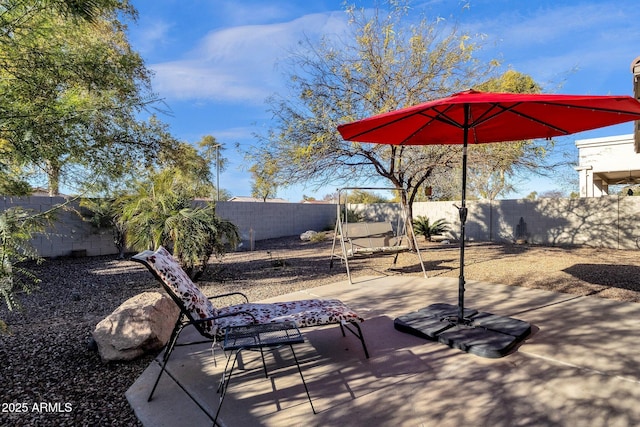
(259, 221)
(68, 234)
(256, 221)
(609, 222)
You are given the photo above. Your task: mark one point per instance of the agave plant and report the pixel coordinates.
(424, 227)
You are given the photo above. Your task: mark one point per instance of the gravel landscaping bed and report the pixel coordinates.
(50, 376)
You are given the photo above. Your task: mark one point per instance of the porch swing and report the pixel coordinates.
(370, 237)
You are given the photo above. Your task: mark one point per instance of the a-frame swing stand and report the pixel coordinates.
(372, 237)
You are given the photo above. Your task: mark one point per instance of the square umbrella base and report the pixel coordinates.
(482, 334)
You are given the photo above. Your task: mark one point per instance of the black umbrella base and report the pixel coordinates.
(479, 333)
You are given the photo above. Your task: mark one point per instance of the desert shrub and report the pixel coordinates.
(318, 237)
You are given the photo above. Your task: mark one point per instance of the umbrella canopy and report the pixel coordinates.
(483, 117)
(473, 117)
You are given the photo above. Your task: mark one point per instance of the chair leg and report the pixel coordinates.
(358, 334)
(304, 383)
(167, 353)
(224, 382)
(361, 338)
(264, 363)
(226, 379)
(224, 372)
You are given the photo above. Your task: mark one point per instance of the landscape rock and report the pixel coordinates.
(140, 325)
(308, 235)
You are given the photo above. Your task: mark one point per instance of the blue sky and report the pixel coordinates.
(216, 61)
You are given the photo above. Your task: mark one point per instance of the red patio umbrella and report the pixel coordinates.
(473, 117)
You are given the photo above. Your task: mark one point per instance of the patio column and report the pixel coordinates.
(600, 187)
(586, 180)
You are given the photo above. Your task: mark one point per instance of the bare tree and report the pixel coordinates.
(385, 63)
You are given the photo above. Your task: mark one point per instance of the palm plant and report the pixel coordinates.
(424, 227)
(161, 213)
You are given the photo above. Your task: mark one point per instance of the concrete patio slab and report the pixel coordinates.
(579, 367)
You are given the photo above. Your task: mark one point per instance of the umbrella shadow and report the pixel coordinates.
(608, 275)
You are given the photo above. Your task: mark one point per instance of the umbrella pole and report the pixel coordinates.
(463, 215)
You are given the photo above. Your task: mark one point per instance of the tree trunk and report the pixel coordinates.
(53, 175)
(408, 206)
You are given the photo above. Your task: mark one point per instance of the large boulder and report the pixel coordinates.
(140, 325)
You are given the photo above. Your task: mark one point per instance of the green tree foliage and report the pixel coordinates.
(386, 63)
(264, 175)
(424, 227)
(13, 180)
(365, 197)
(354, 216)
(161, 211)
(10, 185)
(20, 73)
(190, 168)
(180, 175)
(73, 91)
(493, 168)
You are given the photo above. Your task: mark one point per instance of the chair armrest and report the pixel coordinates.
(235, 314)
(214, 318)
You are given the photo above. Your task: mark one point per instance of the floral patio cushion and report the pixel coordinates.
(304, 313)
(178, 282)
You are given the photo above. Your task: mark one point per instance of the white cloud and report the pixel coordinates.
(238, 63)
(148, 36)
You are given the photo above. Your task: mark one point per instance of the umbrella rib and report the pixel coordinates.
(511, 109)
(375, 128)
(533, 119)
(440, 116)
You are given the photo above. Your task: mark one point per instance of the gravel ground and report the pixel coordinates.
(50, 377)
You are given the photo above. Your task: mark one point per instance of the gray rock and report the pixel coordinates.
(308, 235)
(140, 325)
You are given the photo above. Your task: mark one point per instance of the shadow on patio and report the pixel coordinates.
(578, 368)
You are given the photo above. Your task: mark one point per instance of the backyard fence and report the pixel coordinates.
(608, 222)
